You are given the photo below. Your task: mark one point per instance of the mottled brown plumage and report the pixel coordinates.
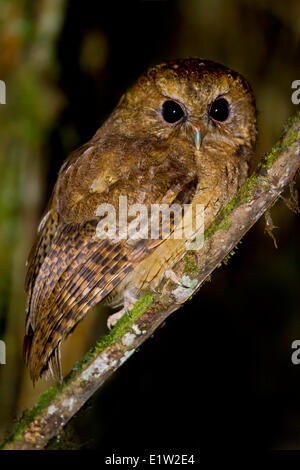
(135, 153)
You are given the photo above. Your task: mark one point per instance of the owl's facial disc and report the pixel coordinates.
(191, 99)
(174, 113)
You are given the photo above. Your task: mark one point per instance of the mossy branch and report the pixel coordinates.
(60, 403)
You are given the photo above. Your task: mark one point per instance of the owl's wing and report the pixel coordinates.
(76, 274)
(70, 271)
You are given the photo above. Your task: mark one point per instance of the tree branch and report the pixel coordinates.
(60, 403)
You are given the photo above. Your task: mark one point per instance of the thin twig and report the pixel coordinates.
(59, 404)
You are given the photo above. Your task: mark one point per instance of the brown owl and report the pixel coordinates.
(184, 133)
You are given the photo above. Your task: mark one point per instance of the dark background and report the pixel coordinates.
(219, 373)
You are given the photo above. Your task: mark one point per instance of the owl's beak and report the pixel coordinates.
(198, 136)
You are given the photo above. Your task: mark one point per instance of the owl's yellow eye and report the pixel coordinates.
(172, 112)
(219, 110)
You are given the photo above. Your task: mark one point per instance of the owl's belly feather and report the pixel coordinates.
(149, 272)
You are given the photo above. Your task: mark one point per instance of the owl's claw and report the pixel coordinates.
(155, 291)
(112, 319)
(129, 301)
(169, 274)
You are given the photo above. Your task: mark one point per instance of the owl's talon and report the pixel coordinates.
(155, 291)
(128, 305)
(169, 274)
(127, 312)
(112, 319)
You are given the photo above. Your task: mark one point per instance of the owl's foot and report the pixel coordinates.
(169, 274)
(129, 301)
(112, 319)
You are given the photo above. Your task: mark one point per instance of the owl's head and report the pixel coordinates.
(193, 99)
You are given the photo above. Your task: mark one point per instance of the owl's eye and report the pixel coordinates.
(172, 112)
(219, 110)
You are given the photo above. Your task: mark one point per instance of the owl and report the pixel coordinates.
(184, 133)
